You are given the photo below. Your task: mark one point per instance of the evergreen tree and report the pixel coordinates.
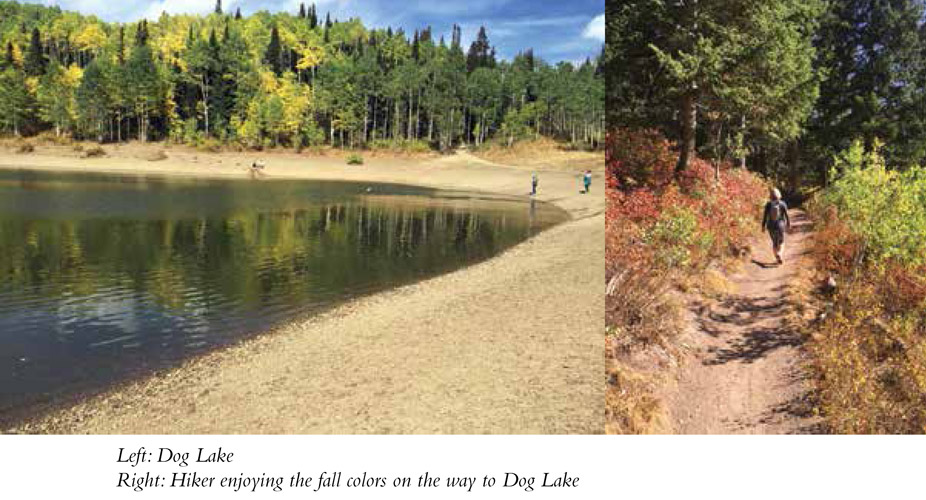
(479, 55)
(274, 54)
(9, 60)
(456, 37)
(218, 7)
(35, 62)
(120, 55)
(238, 14)
(747, 66)
(94, 102)
(302, 14)
(874, 55)
(141, 34)
(16, 103)
(145, 94)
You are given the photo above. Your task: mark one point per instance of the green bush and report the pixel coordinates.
(887, 208)
(674, 236)
(354, 159)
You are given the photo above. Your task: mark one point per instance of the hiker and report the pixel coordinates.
(774, 220)
(587, 178)
(257, 168)
(534, 183)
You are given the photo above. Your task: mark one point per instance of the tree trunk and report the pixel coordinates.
(205, 93)
(374, 118)
(366, 116)
(408, 128)
(689, 112)
(741, 161)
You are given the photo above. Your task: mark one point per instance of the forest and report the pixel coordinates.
(297, 80)
(782, 85)
(711, 103)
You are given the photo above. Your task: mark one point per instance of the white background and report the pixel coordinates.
(611, 467)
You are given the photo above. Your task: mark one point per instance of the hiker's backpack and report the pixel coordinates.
(775, 212)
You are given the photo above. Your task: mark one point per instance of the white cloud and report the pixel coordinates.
(155, 9)
(595, 29)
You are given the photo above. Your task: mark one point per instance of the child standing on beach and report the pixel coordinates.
(587, 178)
(533, 183)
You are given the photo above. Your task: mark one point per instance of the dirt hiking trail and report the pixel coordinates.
(742, 372)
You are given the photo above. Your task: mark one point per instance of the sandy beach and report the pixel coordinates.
(512, 345)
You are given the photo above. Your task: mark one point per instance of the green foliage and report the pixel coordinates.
(57, 96)
(869, 350)
(274, 79)
(875, 55)
(95, 99)
(886, 207)
(17, 102)
(354, 159)
(744, 69)
(672, 234)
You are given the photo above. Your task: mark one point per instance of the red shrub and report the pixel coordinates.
(638, 158)
(642, 191)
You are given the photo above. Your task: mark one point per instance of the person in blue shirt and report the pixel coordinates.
(587, 178)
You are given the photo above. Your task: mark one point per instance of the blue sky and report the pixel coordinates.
(556, 29)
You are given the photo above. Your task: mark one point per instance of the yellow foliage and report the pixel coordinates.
(171, 45)
(64, 25)
(32, 85)
(268, 82)
(72, 76)
(288, 38)
(297, 102)
(17, 55)
(91, 37)
(309, 56)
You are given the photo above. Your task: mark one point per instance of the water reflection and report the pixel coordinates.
(104, 277)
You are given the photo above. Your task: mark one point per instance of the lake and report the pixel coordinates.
(106, 277)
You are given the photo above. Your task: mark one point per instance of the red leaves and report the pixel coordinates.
(641, 188)
(637, 158)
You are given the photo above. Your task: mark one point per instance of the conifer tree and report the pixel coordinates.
(120, 55)
(9, 59)
(274, 54)
(479, 52)
(35, 62)
(875, 59)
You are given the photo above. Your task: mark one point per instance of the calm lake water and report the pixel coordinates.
(104, 277)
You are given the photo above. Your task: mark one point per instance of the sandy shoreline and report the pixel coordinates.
(510, 345)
